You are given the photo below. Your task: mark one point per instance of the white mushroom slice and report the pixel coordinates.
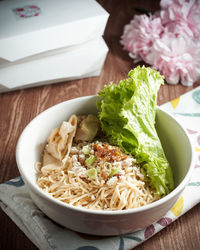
(49, 159)
(60, 140)
(88, 128)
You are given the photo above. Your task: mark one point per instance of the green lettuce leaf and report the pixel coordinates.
(127, 114)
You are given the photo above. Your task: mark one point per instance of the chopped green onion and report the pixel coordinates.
(107, 166)
(86, 150)
(113, 172)
(92, 173)
(90, 160)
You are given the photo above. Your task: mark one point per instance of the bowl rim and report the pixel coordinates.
(47, 196)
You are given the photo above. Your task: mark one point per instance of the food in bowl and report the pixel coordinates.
(112, 161)
(30, 147)
(92, 174)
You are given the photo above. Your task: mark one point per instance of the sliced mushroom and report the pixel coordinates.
(60, 140)
(87, 129)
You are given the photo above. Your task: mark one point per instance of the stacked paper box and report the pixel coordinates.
(47, 41)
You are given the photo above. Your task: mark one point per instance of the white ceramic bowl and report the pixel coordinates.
(176, 145)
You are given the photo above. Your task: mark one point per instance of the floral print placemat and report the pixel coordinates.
(46, 234)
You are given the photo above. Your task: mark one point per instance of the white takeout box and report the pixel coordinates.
(76, 62)
(29, 27)
(48, 41)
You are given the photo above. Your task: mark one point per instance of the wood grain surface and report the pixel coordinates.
(18, 108)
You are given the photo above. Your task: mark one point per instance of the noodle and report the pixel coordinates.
(93, 175)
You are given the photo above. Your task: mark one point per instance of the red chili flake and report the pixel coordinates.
(101, 165)
(117, 175)
(104, 175)
(20, 9)
(109, 153)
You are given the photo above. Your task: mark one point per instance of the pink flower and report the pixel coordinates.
(140, 34)
(169, 40)
(177, 58)
(181, 16)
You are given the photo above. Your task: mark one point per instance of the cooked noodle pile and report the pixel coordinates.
(83, 172)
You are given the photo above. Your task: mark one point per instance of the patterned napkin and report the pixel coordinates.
(46, 234)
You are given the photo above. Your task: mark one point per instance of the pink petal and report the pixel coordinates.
(149, 231)
(164, 221)
(190, 131)
(198, 139)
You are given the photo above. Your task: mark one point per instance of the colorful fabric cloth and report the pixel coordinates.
(46, 234)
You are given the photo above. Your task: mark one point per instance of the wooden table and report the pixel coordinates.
(19, 107)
